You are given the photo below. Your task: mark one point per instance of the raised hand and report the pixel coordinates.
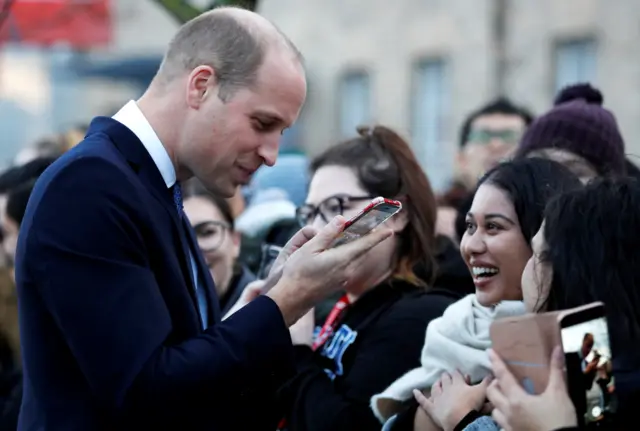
(312, 271)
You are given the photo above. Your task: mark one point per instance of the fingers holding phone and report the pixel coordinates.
(250, 292)
(272, 271)
(515, 409)
(298, 240)
(317, 269)
(373, 215)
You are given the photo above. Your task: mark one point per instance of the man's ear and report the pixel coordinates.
(201, 84)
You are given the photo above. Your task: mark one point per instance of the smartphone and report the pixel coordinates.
(588, 357)
(525, 343)
(377, 212)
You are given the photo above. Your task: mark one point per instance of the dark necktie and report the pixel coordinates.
(177, 198)
(200, 292)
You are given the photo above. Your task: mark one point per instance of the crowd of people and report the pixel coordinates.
(119, 312)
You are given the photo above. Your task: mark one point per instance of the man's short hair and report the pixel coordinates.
(501, 105)
(234, 50)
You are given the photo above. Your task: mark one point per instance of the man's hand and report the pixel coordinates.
(302, 331)
(298, 240)
(311, 270)
(514, 409)
(250, 292)
(452, 398)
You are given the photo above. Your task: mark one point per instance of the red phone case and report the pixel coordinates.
(346, 236)
(374, 203)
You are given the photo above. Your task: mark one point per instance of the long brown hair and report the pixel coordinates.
(386, 166)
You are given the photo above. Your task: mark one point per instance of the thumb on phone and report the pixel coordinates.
(299, 239)
(323, 239)
(359, 247)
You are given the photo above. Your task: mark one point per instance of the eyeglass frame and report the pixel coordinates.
(485, 136)
(342, 200)
(225, 229)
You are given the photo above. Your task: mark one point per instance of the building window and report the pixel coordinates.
(355, 102)
(575, 62)
(429, 113)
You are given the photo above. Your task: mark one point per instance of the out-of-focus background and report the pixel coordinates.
(419, 65)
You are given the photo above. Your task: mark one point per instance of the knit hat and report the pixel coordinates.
(578, 123)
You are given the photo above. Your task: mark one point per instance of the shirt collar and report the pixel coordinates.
(132, 117)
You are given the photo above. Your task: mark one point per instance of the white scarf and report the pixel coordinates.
(457, 340)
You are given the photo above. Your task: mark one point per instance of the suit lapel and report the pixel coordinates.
(141, 162)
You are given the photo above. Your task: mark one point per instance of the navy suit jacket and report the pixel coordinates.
(111, 334)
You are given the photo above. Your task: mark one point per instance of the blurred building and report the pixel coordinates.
(418, 65)
(64, 62)
(422, 65)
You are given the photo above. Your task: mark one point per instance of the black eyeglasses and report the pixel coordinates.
(327, 209)
(211, 235)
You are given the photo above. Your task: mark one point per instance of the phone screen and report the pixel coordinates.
(589, 368)
(366, 223)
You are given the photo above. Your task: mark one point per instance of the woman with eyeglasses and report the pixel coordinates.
(375, 331)
(212, 220)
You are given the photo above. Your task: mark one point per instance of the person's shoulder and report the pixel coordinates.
(82, 180)
(92, 156)
(84, 166)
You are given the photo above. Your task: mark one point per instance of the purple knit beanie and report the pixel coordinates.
(578, 123)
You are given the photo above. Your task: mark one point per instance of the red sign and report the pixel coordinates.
(79, 23)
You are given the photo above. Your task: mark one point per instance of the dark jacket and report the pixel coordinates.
(379, 339)
(451, 274)
(111, 334)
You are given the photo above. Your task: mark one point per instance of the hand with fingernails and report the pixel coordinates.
(516, 410)
(250, 292)
(452, 398)
(307, 270)
(311, 270)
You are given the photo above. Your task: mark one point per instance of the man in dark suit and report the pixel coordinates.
(120, 325)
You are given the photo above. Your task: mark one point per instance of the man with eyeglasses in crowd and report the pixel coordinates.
(488, 136)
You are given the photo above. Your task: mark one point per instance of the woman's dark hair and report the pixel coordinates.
(18, 183)
(194, 188)
(592, 249)
(17, 175)
(386, 166)
(530, 184)
(632, 169)
(17, 200)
